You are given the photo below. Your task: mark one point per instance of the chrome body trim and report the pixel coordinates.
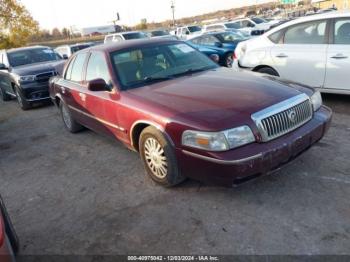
(284, 117)
(98, 119)
(222, 162)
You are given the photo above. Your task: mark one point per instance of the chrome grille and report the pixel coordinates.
(284, 117)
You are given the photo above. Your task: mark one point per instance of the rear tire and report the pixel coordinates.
(69, 122)
(268, 71)
(4, 97)
(23, 103)
(159, 158)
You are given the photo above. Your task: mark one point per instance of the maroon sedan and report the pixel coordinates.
(9, 243)
(186, 116)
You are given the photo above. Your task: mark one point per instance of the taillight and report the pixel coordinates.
(234, 56)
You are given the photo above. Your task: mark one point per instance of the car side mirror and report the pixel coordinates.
(3, 67)
(97, 85)
(218, 44)
(187, 32)
(65, 57)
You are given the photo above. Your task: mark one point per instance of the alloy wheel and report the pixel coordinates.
(155, 158)
(66, 117)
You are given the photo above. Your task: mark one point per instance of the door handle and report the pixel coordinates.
(339, 56)
(281, 55)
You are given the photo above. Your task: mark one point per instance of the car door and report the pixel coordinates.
(5, 81)
(300, 55)
(338, 56)
(102, 105)
(73, 90)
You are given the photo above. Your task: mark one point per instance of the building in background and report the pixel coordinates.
(339, 4)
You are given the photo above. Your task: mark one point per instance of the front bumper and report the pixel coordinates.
(240, 165)
(36, 91)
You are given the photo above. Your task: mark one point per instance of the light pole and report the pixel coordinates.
(173, 10)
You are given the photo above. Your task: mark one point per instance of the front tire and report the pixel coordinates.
(159, 158)
(69, 122)
(229, 60)
(4, 97)
(268, 71)
(23, 103)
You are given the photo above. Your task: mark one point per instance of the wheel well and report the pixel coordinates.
(136, 132)
(57, 101)
(264, 66)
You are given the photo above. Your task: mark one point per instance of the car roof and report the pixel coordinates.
(329, 15)
(116, 46)
(122, 33)
(26, 48)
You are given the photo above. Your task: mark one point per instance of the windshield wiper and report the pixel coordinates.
(150, 79)
(192, 71)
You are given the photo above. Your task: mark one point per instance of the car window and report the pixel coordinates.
(209, 40)
(276, 37)
(136, 35)
(69, 69)
(117, 38)
(306, 33)
(97, 68)
(32, 56)
(235, 25)
(134, 67)
(342, 32)
(215, 27)
(109, 39)
(247, 23)
(77, 69)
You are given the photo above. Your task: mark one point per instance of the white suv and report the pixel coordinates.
(313, 50)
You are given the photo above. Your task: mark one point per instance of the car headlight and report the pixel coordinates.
(218, 141)
(316, 100)
(29, 78)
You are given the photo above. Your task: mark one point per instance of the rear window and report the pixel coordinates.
(138, 35)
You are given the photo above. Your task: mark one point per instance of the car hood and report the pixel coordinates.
(38, 68)
(216, 99)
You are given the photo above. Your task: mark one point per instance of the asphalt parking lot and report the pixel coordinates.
(87, 194)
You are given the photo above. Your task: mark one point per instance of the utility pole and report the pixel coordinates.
(173, 10)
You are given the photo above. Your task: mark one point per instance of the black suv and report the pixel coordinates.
(25, 74)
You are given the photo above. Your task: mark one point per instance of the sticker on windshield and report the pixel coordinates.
(185, 48)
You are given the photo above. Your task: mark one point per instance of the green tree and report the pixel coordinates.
(16, 24)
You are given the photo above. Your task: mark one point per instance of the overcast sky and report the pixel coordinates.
(84, 13)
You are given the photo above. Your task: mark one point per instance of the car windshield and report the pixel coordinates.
(231, 36)
(194, 29)
(258, 20)
(136, 35)
(77, 48)
(159, 33)
(233, 25)
(146, 65)
(32, 56)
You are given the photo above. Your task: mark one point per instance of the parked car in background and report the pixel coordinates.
(25, 73)
(185, 115)
(66, 51)
(314, 50)
(223, 43)
(118, 37)
(254, 26)
(187, 32)
(224, 27)
(161, 34)
(9, 243)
